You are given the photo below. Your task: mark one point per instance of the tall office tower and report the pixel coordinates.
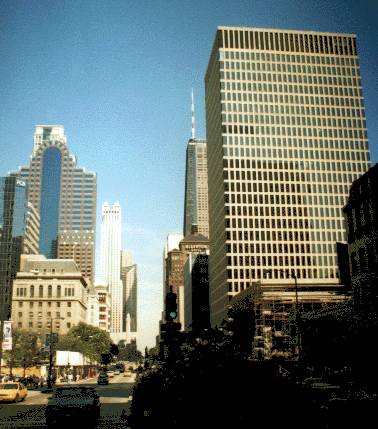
(110, 264)
(65, 197)
(129, 277)
(13, 209)
(196, 212)
(286, 136)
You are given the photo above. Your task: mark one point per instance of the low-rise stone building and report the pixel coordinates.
(49, 291)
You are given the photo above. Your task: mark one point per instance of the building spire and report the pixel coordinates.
(193, 120)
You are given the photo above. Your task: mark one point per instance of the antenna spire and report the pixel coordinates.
(193, 119)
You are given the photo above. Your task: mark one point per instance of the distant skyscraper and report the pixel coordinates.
(129, 277)
(196, 214)
(65, 197)
(286, 137)
(110, 264)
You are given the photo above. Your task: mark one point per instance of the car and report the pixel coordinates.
(127, 374)
(103, 378)
(73, 402)
(110, 373)
(13, 391)
(117, 372)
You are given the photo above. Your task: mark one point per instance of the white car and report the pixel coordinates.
(117, 372)
(110, 373)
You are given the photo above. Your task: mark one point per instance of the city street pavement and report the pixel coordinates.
(115, 401)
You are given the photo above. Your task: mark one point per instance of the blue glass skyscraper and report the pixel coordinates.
(65, 197)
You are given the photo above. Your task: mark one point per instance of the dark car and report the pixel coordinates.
(73, 403)
(103, 378)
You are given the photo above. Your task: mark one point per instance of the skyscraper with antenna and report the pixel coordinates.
(196, 218)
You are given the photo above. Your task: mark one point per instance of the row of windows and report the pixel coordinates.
(48, 314)
(317, 188)
(282, 210)
(339, 166)
(263, 167)
(246, 87)
(43, 304)
(309, 273)
(288, 58)
(266, 95)
(285, 223)
(296, 236)
(283, 248)
(292, 68)
(298, 83)
(258, 211)
(249, 248)
(337, 86)
(278, 177)
(31, 324)
(22, 291)
(292, 42)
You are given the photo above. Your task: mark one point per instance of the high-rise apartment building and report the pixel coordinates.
(286, 137)
(64, 196)
(196, 213)
(110, 264)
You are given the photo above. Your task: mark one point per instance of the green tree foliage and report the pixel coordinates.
(86, 339)
(129, 353)
(25, 349)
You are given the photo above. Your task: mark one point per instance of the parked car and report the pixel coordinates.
(73, 402)
(13, 391)
(103, 378)
(110, 373)
(117, 372)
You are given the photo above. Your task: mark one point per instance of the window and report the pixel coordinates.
(40, 293)
(59, 291)
(49, 291)
(32, 291)
(69, 304)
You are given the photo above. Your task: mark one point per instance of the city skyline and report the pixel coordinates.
(126, 107)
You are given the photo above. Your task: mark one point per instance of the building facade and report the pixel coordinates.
(172, 243)
(362, 219)
(93, 307)
(129, 277)
(49, 291)
(286, 137)
(19, 231)
(104, 309)
(64, 195)
(196, 292)
(110, 264)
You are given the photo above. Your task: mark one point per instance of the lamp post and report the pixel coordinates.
(293, 275)
(49, 383)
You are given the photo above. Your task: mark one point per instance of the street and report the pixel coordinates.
(115, 401)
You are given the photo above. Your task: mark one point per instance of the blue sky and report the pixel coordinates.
(118, 76)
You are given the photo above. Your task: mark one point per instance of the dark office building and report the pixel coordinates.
(362, 218)
(13, 215)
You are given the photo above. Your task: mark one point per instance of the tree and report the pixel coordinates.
(24, 350)
(92, 342)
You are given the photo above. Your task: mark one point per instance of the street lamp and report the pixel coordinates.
(49, 384)
(293, 275)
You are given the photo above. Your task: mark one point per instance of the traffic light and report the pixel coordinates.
(170, 306)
